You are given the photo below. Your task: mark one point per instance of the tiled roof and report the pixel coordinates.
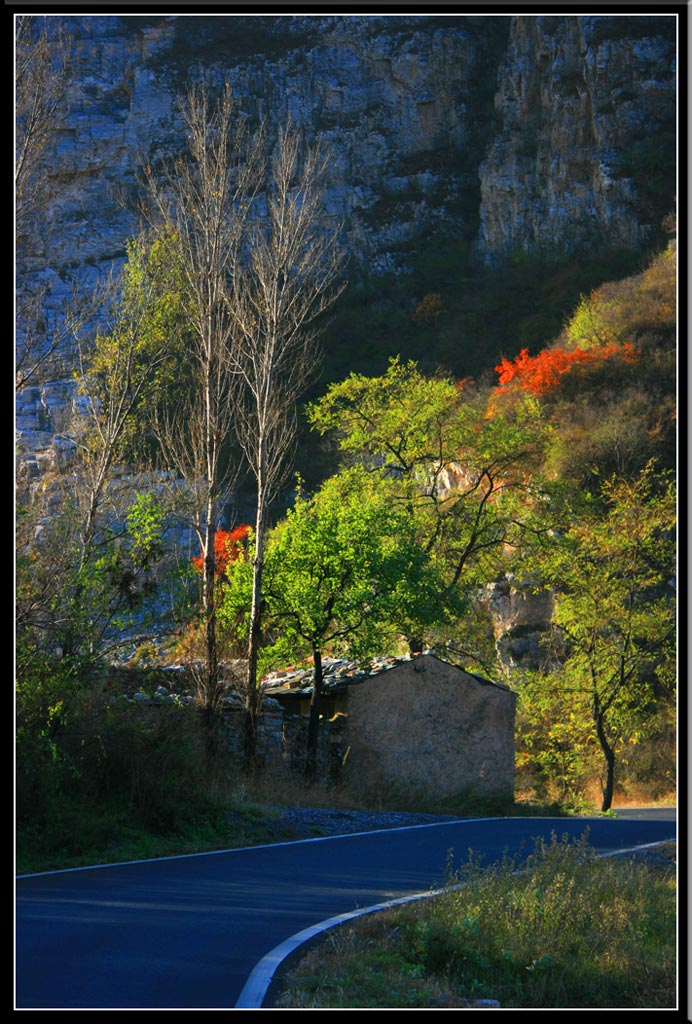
(338, 674)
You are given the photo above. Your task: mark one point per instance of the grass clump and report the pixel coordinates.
(564, 930)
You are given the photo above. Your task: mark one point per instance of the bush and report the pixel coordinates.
(109, 767)
(44, 694)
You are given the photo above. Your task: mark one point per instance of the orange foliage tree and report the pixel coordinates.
(229, 546)
(543, 373)
(429, 309)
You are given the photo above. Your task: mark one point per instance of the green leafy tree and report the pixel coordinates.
(555, 755)
(72, 538)
(122, 368)
(88, 546)
(80, 612)
(145, 524)
(461, 468)
(614, 616)
(344, 573)
(71, 617)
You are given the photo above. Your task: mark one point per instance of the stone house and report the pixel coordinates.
(417, 725)
(413, 726)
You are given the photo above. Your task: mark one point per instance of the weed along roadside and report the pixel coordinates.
(570, 930)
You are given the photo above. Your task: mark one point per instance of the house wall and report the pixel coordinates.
(428, 727)
(422, 726)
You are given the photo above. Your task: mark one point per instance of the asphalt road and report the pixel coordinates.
(186, 932)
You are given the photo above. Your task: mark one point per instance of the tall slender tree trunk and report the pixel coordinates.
(274, 304)
(211, 672)
(211, 681)
(311, 760)
(202, 200)
(252, 694)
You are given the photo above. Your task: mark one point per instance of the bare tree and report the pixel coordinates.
(42, 66)
(259, 272)
(202, 198)
(287, 280)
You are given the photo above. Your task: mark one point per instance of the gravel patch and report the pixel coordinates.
(312, 822)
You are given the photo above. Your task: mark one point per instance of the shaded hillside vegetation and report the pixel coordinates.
(601, 403)
(614, 409)
(455, 318)
(450, 313)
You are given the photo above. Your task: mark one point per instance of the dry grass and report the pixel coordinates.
(592, 796)
(358, 967)
(569, 931)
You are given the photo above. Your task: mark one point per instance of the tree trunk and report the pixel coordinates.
(211, 669)
(314, 721)
(608, 754)
(252, 695)
(610, 781)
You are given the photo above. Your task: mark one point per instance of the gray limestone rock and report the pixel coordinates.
(516, 134)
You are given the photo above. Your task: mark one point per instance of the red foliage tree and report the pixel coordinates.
(544, 372)
(229, 546)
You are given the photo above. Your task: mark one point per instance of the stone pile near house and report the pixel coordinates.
(282, 737)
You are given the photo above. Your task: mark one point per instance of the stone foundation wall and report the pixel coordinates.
(282, 743)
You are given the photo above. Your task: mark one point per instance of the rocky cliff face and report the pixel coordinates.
(521, 133)
(520, 618)
(585, 143)
(402, 103)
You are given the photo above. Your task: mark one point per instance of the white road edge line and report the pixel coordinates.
(287, 842)
(255, 988)
(262, 846)
(257, 985)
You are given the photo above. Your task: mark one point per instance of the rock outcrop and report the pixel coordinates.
(520, 618)
(44, 443)
(514, 133)
(587, 121)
